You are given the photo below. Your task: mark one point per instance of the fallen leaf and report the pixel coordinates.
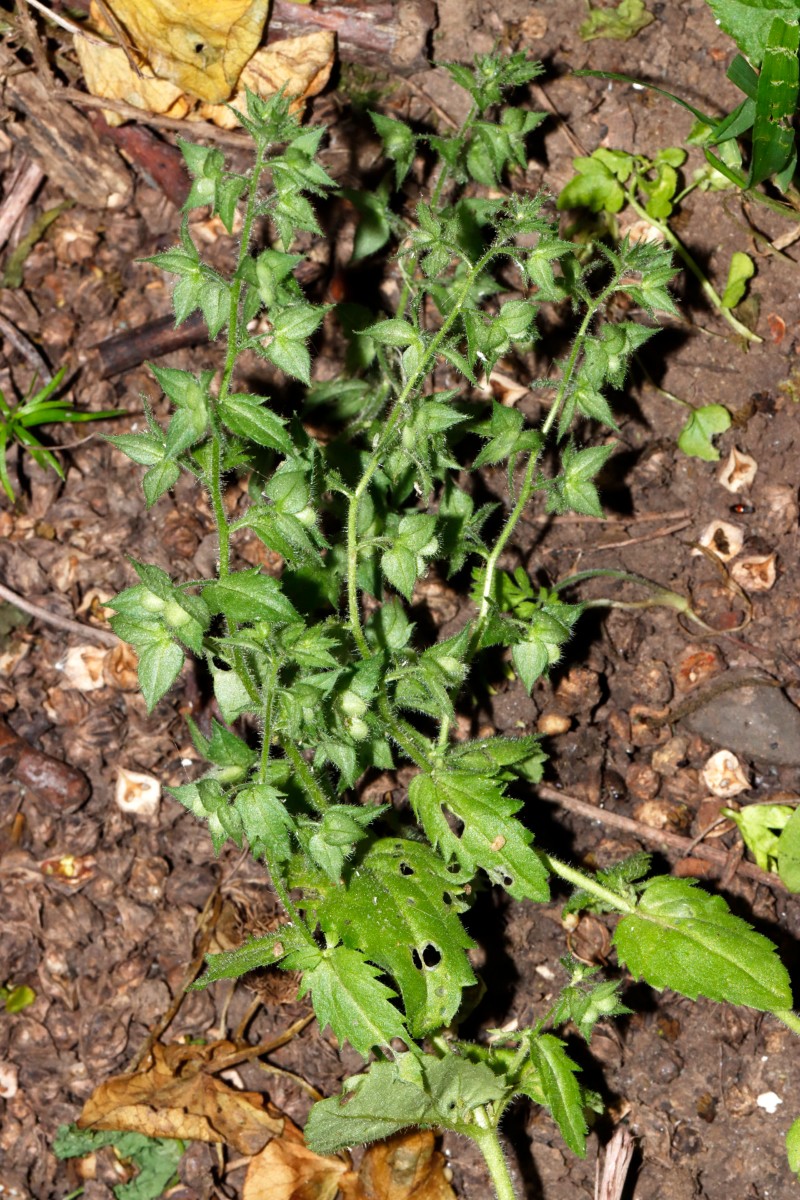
(287, 1170)
(177, 1096)
(301, 65)
(108, 74)
(200, 46)
(405, 1167)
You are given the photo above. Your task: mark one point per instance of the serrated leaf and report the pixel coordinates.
(248, 416)
(703, 425)
(562, 1092)
(258, 952)
(488, 838)
(347, 995)
(373, 1106)
(748, 22)
(682, 938)
(400, 906)
(393, 332)
(249, 596)
(291, 356)
(159, 479)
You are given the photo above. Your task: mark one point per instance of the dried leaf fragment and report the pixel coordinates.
(404, 1167)
(200, 46)
(83, 668)
(108, 74)
(738, 471)
(724, 776)
(177, 1096)
(288, 1170)
(723, 539)
(301, 65)
(137, 794)
(756, 573)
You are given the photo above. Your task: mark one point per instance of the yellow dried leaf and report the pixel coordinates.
(199, 45)
(404, 1167)
(177, 1096)
(301, 65)
(287, 1170)
(109, 74)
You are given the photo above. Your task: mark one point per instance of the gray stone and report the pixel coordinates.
(753, 721)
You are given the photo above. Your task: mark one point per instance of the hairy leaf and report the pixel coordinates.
(682, 938)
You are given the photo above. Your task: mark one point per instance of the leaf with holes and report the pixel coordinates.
(488, 836)
(400, 905)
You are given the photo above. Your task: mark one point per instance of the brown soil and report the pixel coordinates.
(106, 949)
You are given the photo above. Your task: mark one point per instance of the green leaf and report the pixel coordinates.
(372, 1106)
(248, 416)
(144, 448)
(749, 22)
(562, 1092)
(400, 905)
(488, 836)
(160, 664)
(704, 424)
(682, 938)
(159, 479)
(789, 852)
(249, 596)
(291, 357)
(575, 489)
(258, 952)
(598, 183)
(760, 825)
(155, 1159)
(625, 21)
(793, 1146)
(347, 995)
(393, 332)
(741, 269)
(19, 998)
(399, 144)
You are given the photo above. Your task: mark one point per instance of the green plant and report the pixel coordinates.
(15, 999)
(324, 669)
(761, 127)
(609, 180)
(38, 408)
(155, 1159)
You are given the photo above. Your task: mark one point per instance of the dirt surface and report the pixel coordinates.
(101, 910)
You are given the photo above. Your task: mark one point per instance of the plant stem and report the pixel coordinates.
(266, 737)
(488, 1143)
(527, 487)
(389, 431)
(306, 776)
(587, 882)
(708, 291)
(214, 483)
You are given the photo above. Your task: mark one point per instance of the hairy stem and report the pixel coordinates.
(308, 779)
(385, 439)
(488, 1143)
(587, 882)
(528, 487)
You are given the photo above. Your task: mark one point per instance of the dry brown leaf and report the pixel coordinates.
(405, 1167)
(176, 1096)
(301, 65)
(108, 73)
(200, 46)
(288, 1170)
